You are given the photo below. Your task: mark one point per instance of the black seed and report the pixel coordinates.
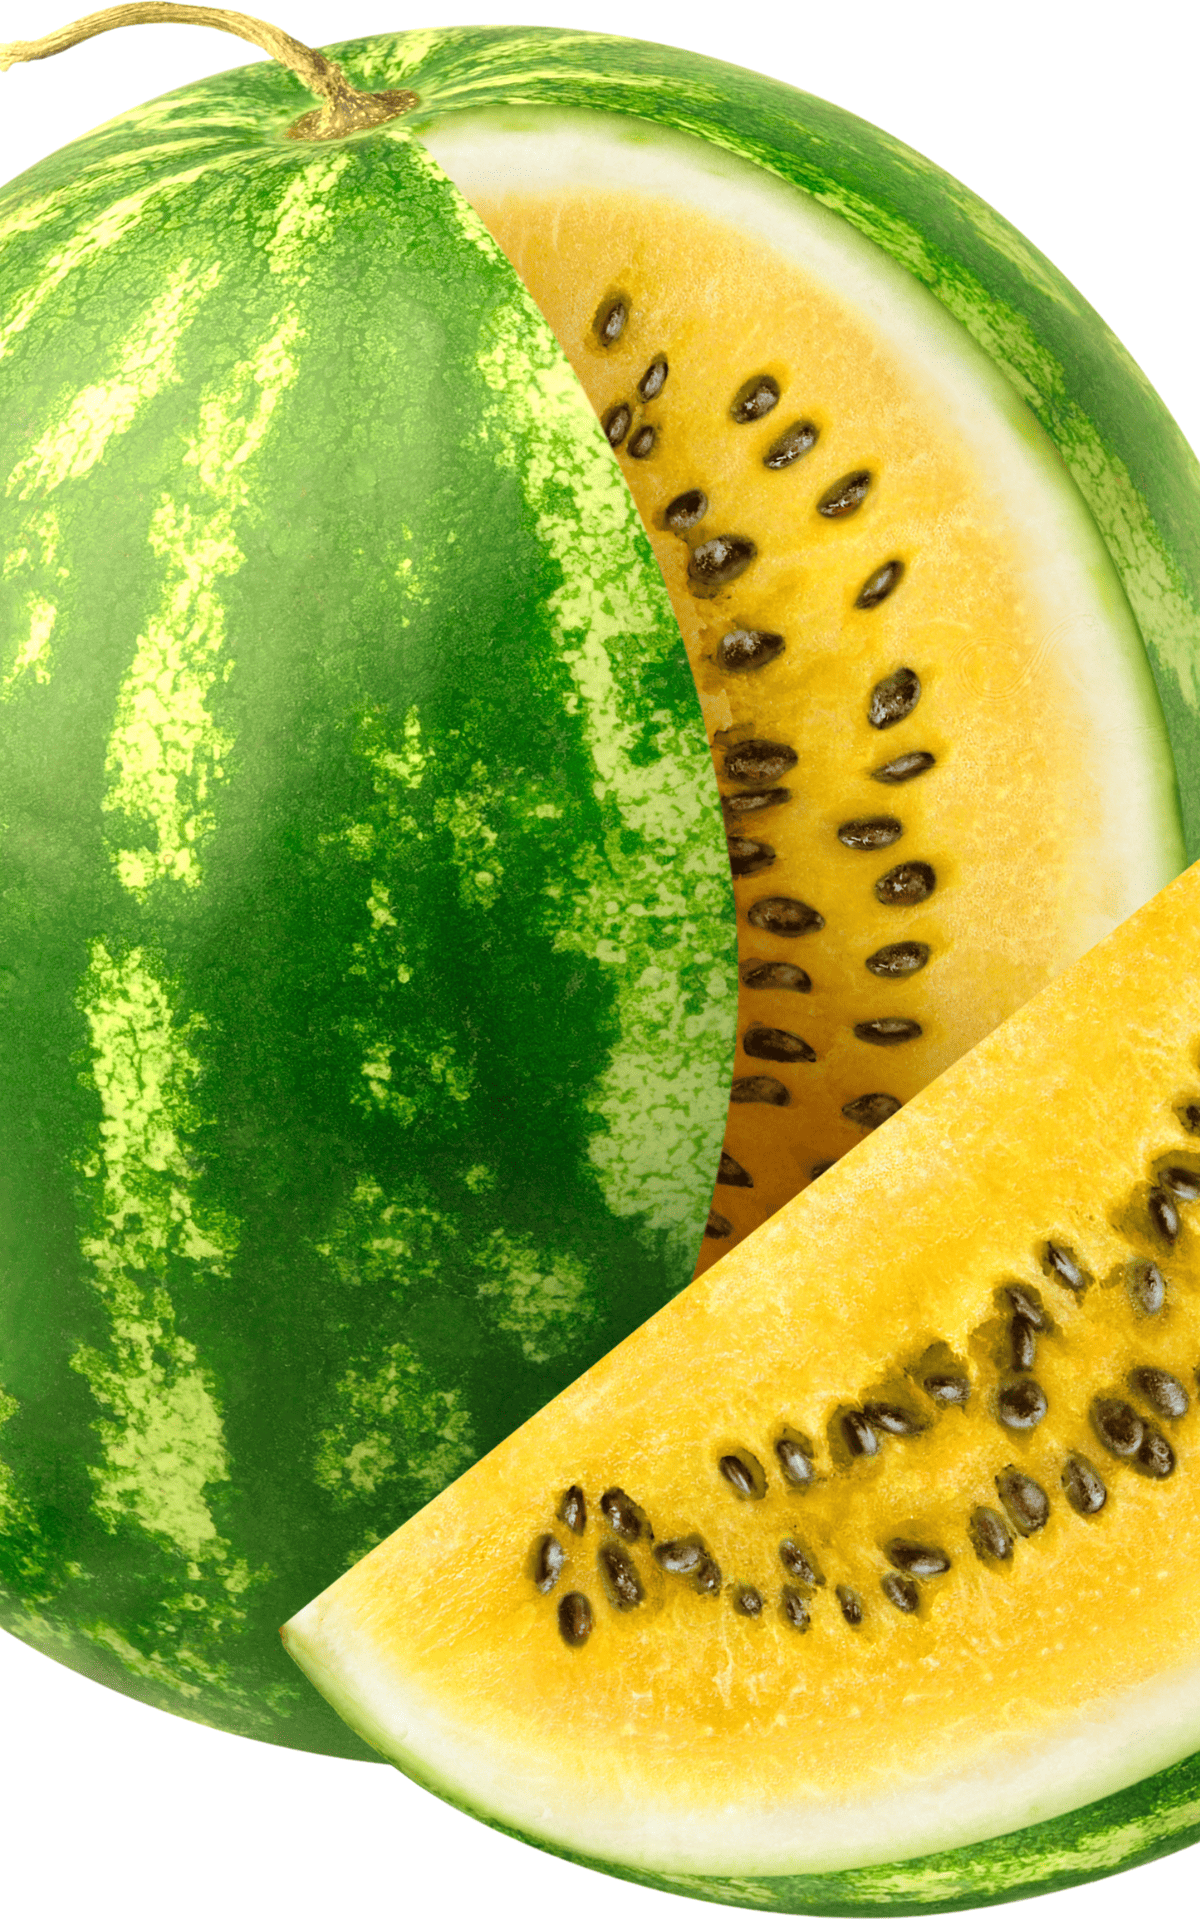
(906, 885)
(616, 423)
(773, 1043)
(741, 1477)
(797, 1560)
(902, 957)
(686, 510)
(573, 1509)
(851, 1605)
(622, 1516)
(736, 806)
(1117, 1426)
(1160, 1390)
(901, 1591)
(1147, 1288)
(1021, 1405)
(718, 562)
(870, 1110)
(549, 1559)
(1181, 1182)
(748, 1600)
(795, 1609)
(619, 1577)
(778, 976)
(610, 320)
(680, 1556)
(642, 444)
(922, 1561)
(906, 766)
(1082, 1485)
(859, 1435)
(730, 1174)
(654, 379)
(747, 648)
(819, 1167)
(1065, 1268)
(1022, 1344)
(795, 1463)
(1028, 1307)
(788, 917)
(747, 857)
(886, 1418)
(759, 1089)
(1189, 1117)
(1155, 1457)
(755, 398)
(989, 1535)
(708, 1576)
(798, 439)
(1026, 1504)
(845, 495)
(893, 698)
(887, 1033)
(575, 1618)
(1165, 1214)
(878, 585)
(759, 763)
(880, 831)
(717, 1227)
(948, 1389)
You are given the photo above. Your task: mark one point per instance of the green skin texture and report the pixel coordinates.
(1131, 465)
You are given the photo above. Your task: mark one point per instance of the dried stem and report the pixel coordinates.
(344, 109)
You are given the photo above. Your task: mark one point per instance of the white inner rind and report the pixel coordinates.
(1085, 619)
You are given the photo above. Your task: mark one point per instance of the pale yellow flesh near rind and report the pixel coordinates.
(683, 1737)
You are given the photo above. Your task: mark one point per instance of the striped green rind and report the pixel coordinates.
(366, 951)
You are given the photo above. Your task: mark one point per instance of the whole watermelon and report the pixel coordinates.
(366, 948)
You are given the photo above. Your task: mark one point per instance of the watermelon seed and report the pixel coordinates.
(748, 1600)
(1026, 1504)
(886, 1418)
(1117, 1426)
(1021, 1405)
(616, 423)
(798, 439)
(735, 805)
(575, 1618)
(755, 398)
(1065, 1268)
(1181, 1183)
(654, 379)
(877, 586)
(902, 957)
(778, 976)
(845, 496)
(1189, 1117)
(1160, 1390)
(746, 648)
(924, 1562)
(758, 762)
(573, 1509)
(1022, 1344)
(819, 1167)
(887, 1033)
(906, 885)
(1028, 1307)
(870, 1110)
(1083, 1486)
(802, 1564)
(759, 1089)
(717, 1227)
(549, 1559)
(744, 1474)
(901, 1591)
(947, 1389)
(1155, 1457)
(747, 857)
(906, 766)
(1164, 1214)
(685, 510)
(851, 1605)
(989, 1534)
(1147, 1288)
(622, 1516)
(732, 1174)
(708, 1576)
(894, 697)
(773, 1043)
(619, 1576)
(880, 831)
(795, 1462)
(788, 917)
(642, 444)
(719, 562)
(680, 1556)
(610, 320)
(860, 1436)
(795, 1609)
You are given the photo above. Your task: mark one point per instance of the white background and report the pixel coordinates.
(1078, 122)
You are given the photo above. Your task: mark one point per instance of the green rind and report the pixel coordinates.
(366, 947)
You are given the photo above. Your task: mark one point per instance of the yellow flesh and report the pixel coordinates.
(1009, 818)
(683, 1734)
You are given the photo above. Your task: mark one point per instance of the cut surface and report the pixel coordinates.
(931, 714)
(973, 1617)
